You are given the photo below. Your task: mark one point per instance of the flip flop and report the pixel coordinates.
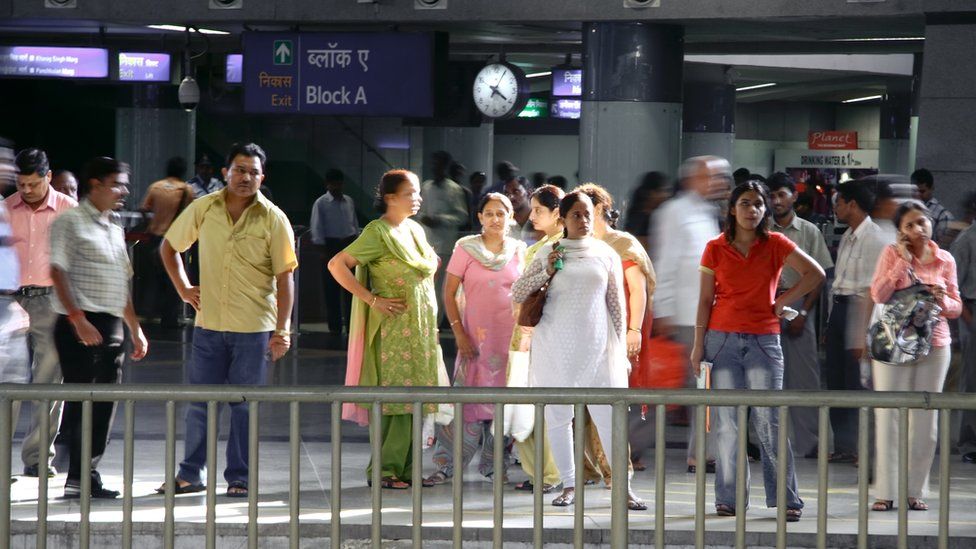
(237, 489)
(185, 489)
(883, 505)
(916, 504)
(565, 499)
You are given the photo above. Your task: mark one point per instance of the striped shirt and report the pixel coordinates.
(91, 251)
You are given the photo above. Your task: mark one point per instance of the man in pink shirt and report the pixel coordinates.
(32, 209)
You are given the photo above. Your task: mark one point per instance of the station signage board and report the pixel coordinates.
(535, 108)
(53, 62)
(799, 158)
(832, 140)
(566, 108)
(353, 74)
(144, 67)
(567, 82)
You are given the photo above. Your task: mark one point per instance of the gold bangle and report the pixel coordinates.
(373, 302)
(633, 330)
(455, 322)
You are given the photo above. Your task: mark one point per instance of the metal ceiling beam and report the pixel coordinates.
(807, 89)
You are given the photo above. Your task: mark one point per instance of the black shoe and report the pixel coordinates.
(753, 452)
(72, 488)
(709, 468)
(969, 457)
(31, 471)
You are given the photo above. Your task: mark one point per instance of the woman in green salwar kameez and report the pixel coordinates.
(393, 327)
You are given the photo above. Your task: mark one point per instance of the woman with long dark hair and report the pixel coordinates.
(913, 253)
(737, 330)
(393, 328)
(580, 339)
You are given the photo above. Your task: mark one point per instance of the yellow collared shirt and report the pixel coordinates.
(238, 262)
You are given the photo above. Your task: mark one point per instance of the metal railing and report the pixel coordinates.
(618, 399)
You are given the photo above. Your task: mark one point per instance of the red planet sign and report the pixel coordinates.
(832, 140)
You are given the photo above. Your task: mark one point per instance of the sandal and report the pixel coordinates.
(565, 499)
(550, 488)
(391, 483)
(634, 503)
(916, 504)
(527, 486)
(187, 488)
(639, 465)
(436, 479)
(883, 505)
(793, 515)
(237, 489)
(724, 510)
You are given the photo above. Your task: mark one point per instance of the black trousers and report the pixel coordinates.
(842, 371)
(81, 364)
(338, 302)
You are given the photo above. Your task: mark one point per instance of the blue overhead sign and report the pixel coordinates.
(358, 74)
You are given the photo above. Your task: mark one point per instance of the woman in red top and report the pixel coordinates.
(913, 251)
(739, 272)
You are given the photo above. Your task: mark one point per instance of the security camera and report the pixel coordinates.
(189, 94)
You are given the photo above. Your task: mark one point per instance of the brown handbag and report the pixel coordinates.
(530, 313)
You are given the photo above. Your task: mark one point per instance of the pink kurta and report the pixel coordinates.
(488, 321)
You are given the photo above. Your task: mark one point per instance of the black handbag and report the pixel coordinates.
(903, 331)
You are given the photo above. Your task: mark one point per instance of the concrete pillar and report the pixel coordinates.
(631, 115)
(708, 115)
(946, 139)
(894, 145)
(916, 102)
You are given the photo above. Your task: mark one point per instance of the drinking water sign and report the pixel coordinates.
(355, 74)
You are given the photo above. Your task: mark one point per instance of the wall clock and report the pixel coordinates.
(501, 90)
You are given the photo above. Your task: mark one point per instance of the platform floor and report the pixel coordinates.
(314, 364)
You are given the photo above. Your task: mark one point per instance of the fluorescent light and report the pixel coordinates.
(859, 99)
(539, 74)
(756, 87)
(177, 28)
(897, 39)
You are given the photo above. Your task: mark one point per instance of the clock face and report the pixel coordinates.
(499, 90)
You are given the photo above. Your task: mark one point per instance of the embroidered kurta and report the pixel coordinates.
(400, 350)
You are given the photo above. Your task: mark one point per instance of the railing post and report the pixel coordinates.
(660, 445)
(42, 482)
(252, 474)
(700, 460)
(619, 515)
(169, 533)
(212, 423)
(418, 474)
(498, 476)
(822, 476)
(335, 475)
(902, 502)
(6, 434)
(863, 470)
(782, 460)
(84, 535)
(579, 447)
(128, 471)
(538, 522)
(376, 460)
(294, 475)
(944, 453)
(457, 481)
(741, 483)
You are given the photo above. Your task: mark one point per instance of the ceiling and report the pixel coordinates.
(538, 46)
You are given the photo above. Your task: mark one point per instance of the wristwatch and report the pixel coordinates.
(803, 312)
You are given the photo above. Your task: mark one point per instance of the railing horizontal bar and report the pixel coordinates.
(478, 395)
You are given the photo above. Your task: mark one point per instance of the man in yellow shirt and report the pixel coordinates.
(243, 303)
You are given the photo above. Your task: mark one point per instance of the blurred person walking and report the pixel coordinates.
(847, 324)
(476, 182)
(393, 331)
(65, 183)
(243, 303)
(580, 340)
(914, 256)
(480, 274)
(737, 330)
(165, 200)
(964, 252)
(682, 227)
(32, 210)
(545, 218)
(650, 193)
(443, 212)
(90, 270)
(941, 217)
(801, 363)
(334, 226)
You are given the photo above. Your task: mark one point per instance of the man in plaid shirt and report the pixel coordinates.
(923, 180)
(91, 271)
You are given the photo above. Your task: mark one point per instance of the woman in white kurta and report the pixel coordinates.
(580, 340)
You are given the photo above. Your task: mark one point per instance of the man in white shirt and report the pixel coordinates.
(681, 228)
(334, 226)
(799, 336)
(847, 325)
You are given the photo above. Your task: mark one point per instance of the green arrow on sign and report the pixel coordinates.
(282, 52)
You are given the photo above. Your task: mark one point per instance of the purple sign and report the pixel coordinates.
(49, 62)
(357, 74)
(566, 108)
(235, 68)
(567, 82)
(144, 67)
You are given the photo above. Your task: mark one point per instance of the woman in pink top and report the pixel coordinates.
(933, 266)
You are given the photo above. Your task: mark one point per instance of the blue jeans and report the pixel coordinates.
(747, 361)
(222, 358)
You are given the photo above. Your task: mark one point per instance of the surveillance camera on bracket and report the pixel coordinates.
(637, 4)
(60, 4)
(226, 4)
(430, 4)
